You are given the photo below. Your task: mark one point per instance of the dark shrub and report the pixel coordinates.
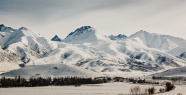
(151, 90)
(169, 86)
(162, 90)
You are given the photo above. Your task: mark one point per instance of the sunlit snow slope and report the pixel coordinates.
(86, 47)
(52, 70)
(176, 72)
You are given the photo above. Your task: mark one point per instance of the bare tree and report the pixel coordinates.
(135, 90)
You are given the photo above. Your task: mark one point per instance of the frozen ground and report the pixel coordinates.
(178, 89)
(98, 89)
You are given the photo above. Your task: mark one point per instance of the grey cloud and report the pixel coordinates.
(41, 9)
(64, 15)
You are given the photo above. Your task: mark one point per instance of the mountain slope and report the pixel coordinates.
(175, 72)
(24, 43)
(169, 44)
(87, 48)
(129, 54)
(154, 40)
(51, 70)
(8, 61)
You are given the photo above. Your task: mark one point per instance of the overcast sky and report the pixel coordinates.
(60, 17)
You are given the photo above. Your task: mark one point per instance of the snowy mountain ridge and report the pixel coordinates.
(56, 38)
(87, 48)
(84, 34)
(154, 40)
(24, 43)
(118, 37)
(172, 45)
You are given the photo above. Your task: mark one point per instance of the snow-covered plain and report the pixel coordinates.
(97, 89)
(178, 89)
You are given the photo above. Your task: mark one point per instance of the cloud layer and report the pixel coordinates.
(50, 17)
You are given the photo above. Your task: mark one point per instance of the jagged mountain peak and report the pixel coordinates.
(183, 55)
(23, 29)
(84, 34)
(118, 37)
(143, 33)
(4, 28)
(154, 40)
(121, 35)
(56, 38)
(82, 30)
(1, 25)
(24, 43)
(26, 32)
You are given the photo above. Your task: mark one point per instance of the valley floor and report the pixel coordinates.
(179, 89)
(97, 89)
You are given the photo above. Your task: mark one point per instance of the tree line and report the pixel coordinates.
(59, 81)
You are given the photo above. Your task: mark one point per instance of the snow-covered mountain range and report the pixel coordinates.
(87, 48)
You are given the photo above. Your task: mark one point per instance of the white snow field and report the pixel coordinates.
(176, 72)
(96, 89)
(178, 89)
(52, 70)
(8, 61)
